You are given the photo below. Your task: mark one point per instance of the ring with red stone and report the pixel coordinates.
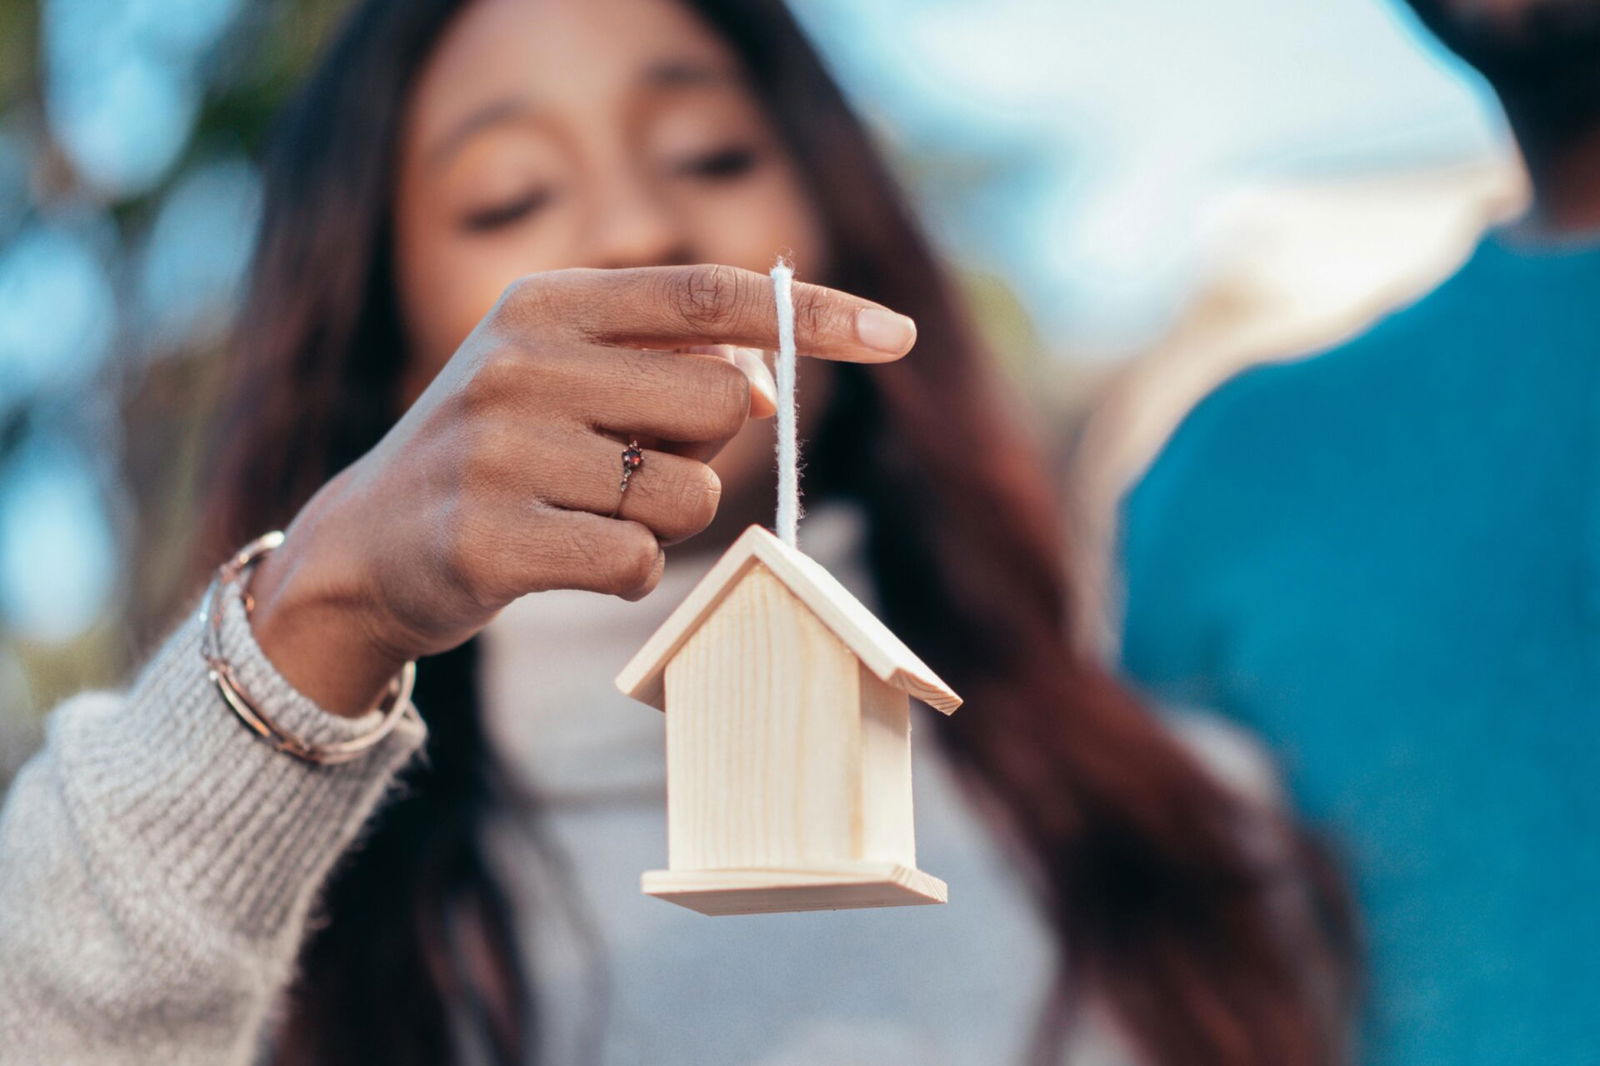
(632, 459)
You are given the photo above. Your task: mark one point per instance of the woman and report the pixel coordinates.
(443, 150)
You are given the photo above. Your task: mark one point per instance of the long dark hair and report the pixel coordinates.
(1210, 929)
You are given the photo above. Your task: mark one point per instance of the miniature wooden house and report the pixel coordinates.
(788, 741)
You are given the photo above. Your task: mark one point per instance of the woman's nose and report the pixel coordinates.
(634, 227)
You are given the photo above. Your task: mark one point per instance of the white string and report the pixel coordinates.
(788, 433)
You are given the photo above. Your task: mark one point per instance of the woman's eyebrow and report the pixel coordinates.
(504, 110)
(687, 73)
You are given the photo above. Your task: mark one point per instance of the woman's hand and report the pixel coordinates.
(502, 479)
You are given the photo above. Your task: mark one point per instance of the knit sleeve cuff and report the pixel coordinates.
(169, 787)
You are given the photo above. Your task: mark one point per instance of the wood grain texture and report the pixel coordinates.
(884, 806)
(763, 736)
(788, 741)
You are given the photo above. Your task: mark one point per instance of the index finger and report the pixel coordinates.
(714, 304)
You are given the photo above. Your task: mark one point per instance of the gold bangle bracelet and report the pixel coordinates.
(395, 705)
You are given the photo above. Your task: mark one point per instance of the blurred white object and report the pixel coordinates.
(1078, 149)
(1297, 268)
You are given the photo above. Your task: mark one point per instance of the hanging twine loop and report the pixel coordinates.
(788, 432)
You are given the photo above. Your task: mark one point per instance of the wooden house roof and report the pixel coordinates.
(879, 650)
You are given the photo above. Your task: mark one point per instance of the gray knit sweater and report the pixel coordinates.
(158, 863)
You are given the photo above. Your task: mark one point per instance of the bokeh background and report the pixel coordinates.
(1140, 195)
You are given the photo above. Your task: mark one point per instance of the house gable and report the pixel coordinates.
(879, 650)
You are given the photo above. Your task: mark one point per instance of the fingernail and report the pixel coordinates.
(751, 361)
(885, 330)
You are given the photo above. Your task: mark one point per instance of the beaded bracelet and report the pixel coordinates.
(395, 705)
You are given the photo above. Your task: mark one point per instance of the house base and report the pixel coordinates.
(768, 890)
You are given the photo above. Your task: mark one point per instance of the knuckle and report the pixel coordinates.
(703, 294)
(720, 397)
(497, 379)
(812, 317)
(469, 565)
(568, 556)
(521, 300)
(586, 553)
(644, 588)
(533, 302)
(647, 373)
(520, 290)
(531, 292)
(556, 377)
(489, 456)
(699, 495)
(725, 399)
(633, 559)
(683, 500)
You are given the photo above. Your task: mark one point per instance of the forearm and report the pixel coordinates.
(157, 863)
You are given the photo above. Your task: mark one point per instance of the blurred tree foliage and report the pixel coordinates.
(143, 417)
(151, 444)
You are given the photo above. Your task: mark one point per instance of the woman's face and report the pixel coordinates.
(545, 134)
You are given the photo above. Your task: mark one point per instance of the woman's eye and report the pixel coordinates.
(497, 215)
(722, 164)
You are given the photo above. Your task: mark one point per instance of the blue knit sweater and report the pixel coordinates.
(1386, 560)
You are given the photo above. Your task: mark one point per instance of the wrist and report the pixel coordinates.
(313, 623)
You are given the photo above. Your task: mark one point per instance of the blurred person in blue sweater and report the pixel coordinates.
(1385, 560)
